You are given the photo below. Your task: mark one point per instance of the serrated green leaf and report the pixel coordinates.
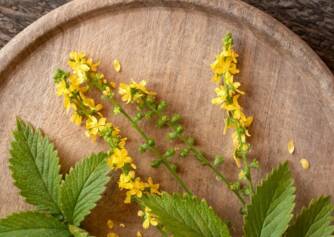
(314, 221)
(32, 224)
(83, 187)
(271, 207)
(186, 216)
(34, 164)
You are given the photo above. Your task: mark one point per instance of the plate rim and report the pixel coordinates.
(272, 28)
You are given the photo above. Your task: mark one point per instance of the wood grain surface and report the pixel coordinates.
(312, 20)
(171, 44)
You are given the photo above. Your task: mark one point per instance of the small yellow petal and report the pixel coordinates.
(291, 146)
(122, 225)
(139, 234)
(305, 164)
(110, 224)
(117, 65)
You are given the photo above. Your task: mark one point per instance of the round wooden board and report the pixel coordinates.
(171, 44)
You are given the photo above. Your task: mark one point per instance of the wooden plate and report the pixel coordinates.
(171, 44)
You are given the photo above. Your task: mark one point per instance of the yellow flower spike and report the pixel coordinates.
(291, 146)
(110, 224)
(305, 164)
(117, 65)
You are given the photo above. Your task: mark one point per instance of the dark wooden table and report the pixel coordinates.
(312, 20)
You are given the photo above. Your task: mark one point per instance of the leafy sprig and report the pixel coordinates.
(61, 204)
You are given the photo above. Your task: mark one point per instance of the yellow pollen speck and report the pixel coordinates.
(117, 65)
(122, 225)
(291, 146)
(305, 164)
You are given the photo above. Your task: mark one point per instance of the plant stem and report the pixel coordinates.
(219, 174)
(154, 149)
(201, 157)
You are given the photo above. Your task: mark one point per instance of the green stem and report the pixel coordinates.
(199, 155)
(154, 149)
(219, 174)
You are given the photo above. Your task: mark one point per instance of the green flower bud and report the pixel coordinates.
(162, 105)
(179, 129)
(176, 118)
(172, 135)
(170, 152)
(143, 147)
(156, 163)
(162, 121)
(139, 116)
(148, 114)
(184, 152)
(151, 143)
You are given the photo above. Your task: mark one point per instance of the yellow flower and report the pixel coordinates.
(89, 102)
(93, 66)
(234, 106)
(134, 92)
(76, 118)
(61, 88)
(119, 158)
(107, 91)
(67, 102)
(125, 180)
(137, 187)
(221, 92)
(94, 126)
(125, 91)
(78, 63)
(154, 188)
(149, 218)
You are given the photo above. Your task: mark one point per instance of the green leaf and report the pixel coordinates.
(32, 224)
(271, 207)
(35, 168)
(186, 216)
(314, 221)
(78, 232)
(83, 187)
